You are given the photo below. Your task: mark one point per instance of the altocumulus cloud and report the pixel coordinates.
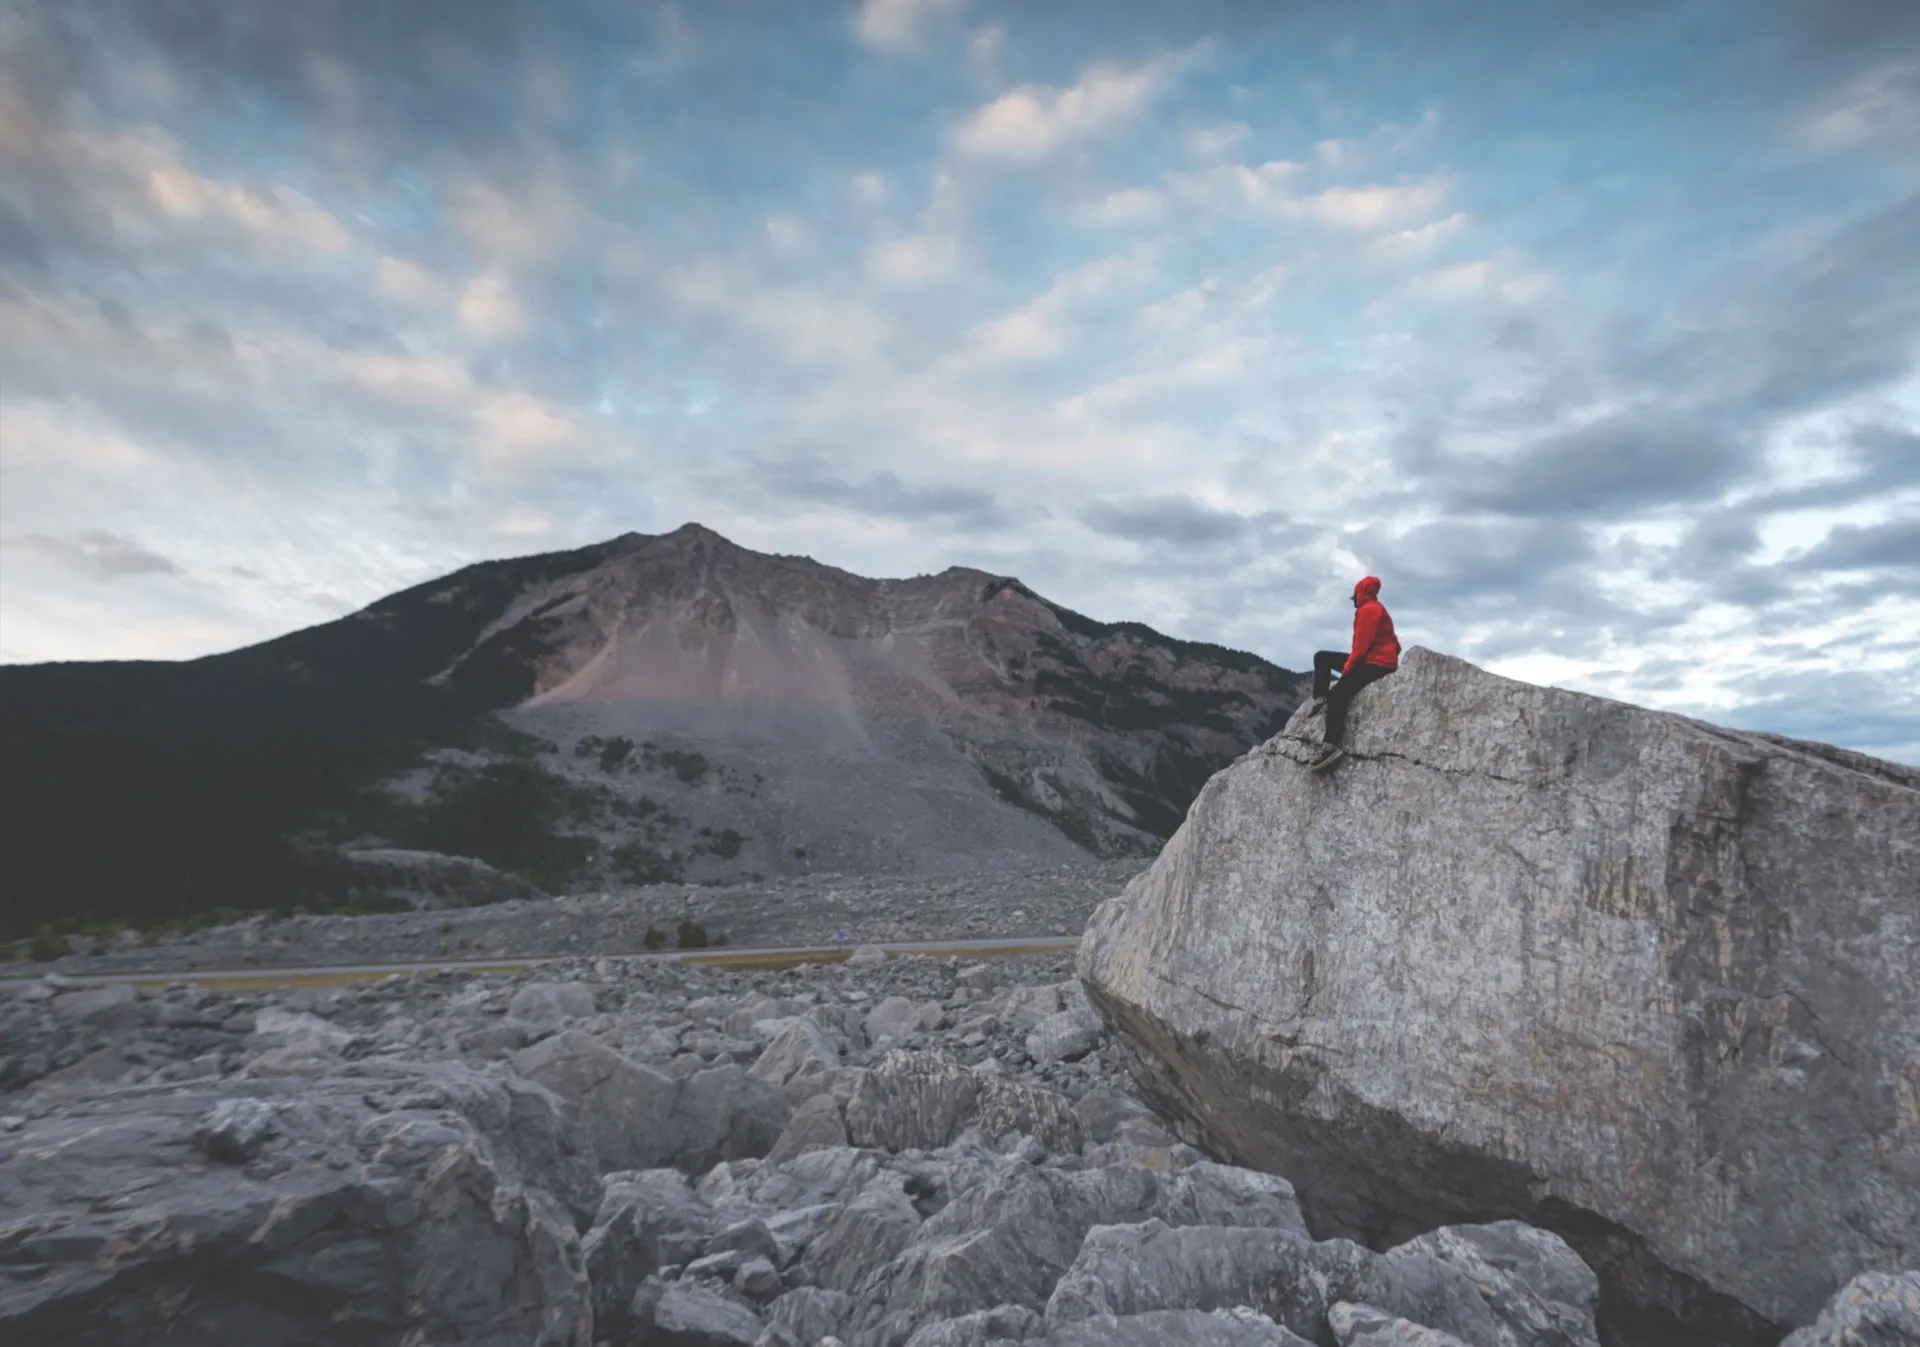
(1591, 329)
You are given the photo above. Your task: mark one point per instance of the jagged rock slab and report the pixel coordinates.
(1532, 954)
(381, 1208)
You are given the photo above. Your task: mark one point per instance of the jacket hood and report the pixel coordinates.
(1367, 589)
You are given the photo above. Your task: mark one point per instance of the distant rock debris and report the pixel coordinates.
(428, 879)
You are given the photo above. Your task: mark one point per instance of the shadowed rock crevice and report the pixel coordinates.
(1373, 1178)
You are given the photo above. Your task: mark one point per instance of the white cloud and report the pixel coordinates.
(522, 522)
(1370, 207)
(1128, 205)
(1526, 289)
(983, 49)
(489, 308)
(1037, 121)
(896, 26)
(505, 430)
(788, 235)
(1264, 186)
(514, 430)
(1407, 245)
(1881, 105)
(914, 259)
(1024, 336)
(809, 326)
(276, 216)
(432, 380)
(1177, 311)
(1213, 141)
(37, 434)
(1463, 278)
(512, 228)
(136, 177)
(1386, 141)
(1224, 363)
(1274, 188)
(1041, 330)
(407, 281)
(869, 190)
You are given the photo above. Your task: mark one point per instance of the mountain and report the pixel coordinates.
(649, 708)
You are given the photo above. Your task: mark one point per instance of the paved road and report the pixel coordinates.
(1039, 944)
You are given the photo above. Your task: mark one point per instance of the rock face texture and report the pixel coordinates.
(389, 1206)
(943, 699)
(1531, 954)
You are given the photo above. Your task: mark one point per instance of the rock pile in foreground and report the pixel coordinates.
(912, 1151)
(1531, 954)
(884, 1153)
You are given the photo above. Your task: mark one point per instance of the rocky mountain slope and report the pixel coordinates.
(1530, 954)
(649, 709)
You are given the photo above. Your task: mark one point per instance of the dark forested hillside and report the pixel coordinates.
(145, 792)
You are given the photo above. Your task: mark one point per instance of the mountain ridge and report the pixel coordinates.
(663, 706)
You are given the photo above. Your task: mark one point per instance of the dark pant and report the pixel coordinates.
(1340, 693)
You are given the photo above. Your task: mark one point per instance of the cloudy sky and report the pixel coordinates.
(1592, 329)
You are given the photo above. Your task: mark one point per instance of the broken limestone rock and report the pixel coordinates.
(1500, 1285)
(1237, 1327)
(701, 1314)
(1065, 1037)
(383, 1207)
(1369, 1326)
(1533, 954)
(544, 1004)
(234, 1129)
(894, 1018)
(910, 1100)
(648, 1219)
(797, 1060)
(1132, 1269)
(641, 1117)
(815, 1124)
(1875, 1309)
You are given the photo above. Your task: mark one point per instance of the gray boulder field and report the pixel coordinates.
(685, 1156)
(1530, 954)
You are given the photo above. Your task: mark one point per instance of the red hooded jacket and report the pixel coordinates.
(1373, 638)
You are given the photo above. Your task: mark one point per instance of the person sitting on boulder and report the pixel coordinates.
(1375, 654)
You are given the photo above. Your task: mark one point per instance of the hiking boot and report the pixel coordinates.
(1328, 755)
(1316, 706)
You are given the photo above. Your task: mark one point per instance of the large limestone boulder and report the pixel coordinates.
(1530, 954)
